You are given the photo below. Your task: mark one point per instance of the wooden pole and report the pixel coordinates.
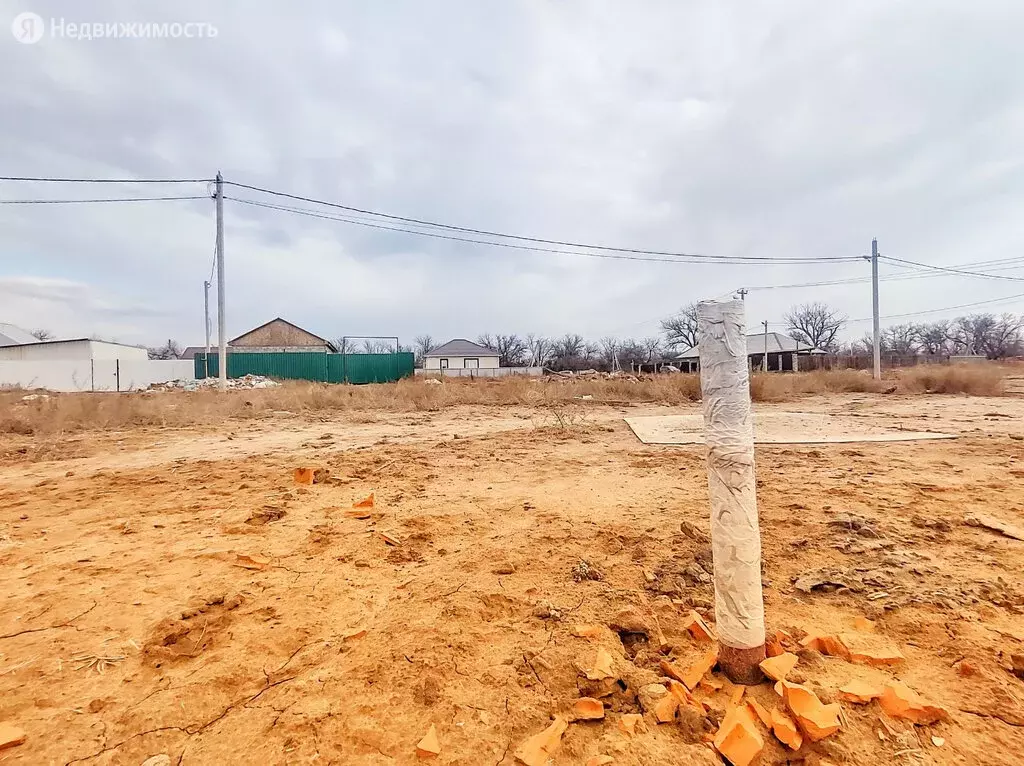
(735, 535)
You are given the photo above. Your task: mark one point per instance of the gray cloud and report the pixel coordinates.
(729, 128)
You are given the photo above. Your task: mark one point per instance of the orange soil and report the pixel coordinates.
(222, 641)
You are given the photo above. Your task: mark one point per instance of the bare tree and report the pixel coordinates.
(539, 349)
(375, 346)
(900, 339)
(680, 329)
(511, 349)
(815, 324)
(570, 352)
(933, 337)
(652, 348)
(41, 334)
(170, 350)
(422, 345)
(609, 349)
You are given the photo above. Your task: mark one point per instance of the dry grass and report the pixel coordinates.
(61, 414)
(973, 379)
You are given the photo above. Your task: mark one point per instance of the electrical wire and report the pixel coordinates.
(76, 201)
(951, 270)
(436, 235)
(925, 311)
(45, 179)
(540, 240)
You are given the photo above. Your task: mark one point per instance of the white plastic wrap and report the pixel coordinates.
(729, 432)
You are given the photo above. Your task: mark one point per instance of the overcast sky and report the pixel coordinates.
(790, 128)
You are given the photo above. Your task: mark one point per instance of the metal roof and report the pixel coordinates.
(461, 347)
(777, 343)
(12, 335)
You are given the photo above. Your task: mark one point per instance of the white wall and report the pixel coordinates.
(71, 350)
(459, 362)
(94, 374)
(484, 372)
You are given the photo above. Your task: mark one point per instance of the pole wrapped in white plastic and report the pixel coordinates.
(735, 535)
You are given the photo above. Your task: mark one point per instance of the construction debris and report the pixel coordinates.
(601, 667)
(815, 719)
(900, 701)
(777, 668)
(245, 382)
(991, 522)
(587, 709)
(738, 739)
(859, 692)
(10, 736)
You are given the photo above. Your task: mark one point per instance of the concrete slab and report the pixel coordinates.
(779, 428)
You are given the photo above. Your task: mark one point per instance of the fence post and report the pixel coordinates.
(735, 535)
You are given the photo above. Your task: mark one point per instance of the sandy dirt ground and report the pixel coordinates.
(173, 591)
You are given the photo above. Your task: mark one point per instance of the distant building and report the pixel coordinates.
(782, 351)
(12, 335)
(277, 335)
(461, 354)
(70, 350)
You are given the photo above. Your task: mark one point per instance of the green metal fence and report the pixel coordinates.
(321, 367)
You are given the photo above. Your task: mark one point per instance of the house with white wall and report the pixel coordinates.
(461, 354)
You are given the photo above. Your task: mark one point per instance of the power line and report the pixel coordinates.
(951, 270)
(540, 240)
(45, 179)
(926, 311)
(77, 201)
(435, 235)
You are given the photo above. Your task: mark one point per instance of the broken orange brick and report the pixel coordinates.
(303, 475)
(738, 739)
(685, 698)
(966, 669)
(352, 636)
(736, 694)
(900, 701)
(670, 670)
(389, 539)
(602, 667)
(366, 502)
(629, 723)
(711, 682)
(696, 671)
(859, 692)
(536, 750)
(600, 760)
(246, 561)
(762, 712)
(777, 668)
(773, 647)
(863, 624)
(587, 631)
(785, 730)
(698, 628)
(430, 745)
(665, 708)
(815, 719)
(356, 513)
(587, 709)
(10, 736)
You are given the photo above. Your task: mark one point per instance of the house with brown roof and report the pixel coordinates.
(279, 335)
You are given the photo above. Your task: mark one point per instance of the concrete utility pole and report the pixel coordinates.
(742, 292)
(765, 323)
(206, 317)
(222, 341)
(735, 534)
(877, 337)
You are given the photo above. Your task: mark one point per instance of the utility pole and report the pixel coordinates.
(206, 316)
(765, 323)
(876, 340)
(222, 351)
(742, 292)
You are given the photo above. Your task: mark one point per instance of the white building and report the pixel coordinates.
(12, 335)
(70, 350)
(461, 354)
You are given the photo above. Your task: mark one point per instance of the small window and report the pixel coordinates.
(472, 364)
(444, 364)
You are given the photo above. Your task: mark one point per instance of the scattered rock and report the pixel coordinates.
(815, 719)
(587, 709)
(900, 701)
(158, 760)
(306, 475)
(266, 515)
(785, 730)
(698, 628)
(859, 692)
(584, 570)
(366, 502)
(822, 580)
(428, 690)
(630, 722)
(1017, 665)
(587, 631)
(694, 532)
(630, 621)
(546, 611)
(536, 750)
(696, 671)
(10, 736)
(991, 522)
(429, 746)
(504, 568)
(738, 739)
(247, 561)
(665, 708)
(777, 668)
(602, 667)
